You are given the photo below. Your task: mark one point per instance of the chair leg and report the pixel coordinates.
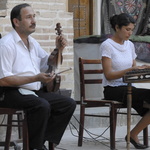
(25, 134)
(113, 120)
(19, 118)
(8, 132)
(50, 146)
(81, 126)
(145, 136)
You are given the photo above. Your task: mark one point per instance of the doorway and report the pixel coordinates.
(82, 16)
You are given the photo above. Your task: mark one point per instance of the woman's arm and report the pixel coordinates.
(109, 74)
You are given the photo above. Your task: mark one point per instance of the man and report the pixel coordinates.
(22, 66)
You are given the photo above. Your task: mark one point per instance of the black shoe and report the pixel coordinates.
(136, 145)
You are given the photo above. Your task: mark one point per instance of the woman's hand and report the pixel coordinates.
(140, 67)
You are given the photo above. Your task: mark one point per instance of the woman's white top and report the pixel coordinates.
(122, 57)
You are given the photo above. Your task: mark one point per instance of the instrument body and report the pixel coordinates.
(137, 76)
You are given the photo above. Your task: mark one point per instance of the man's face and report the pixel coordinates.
(27, 23)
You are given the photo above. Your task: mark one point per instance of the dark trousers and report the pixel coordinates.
(48, 114)
(139, 95)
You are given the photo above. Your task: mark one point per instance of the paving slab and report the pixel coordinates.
(94, 139)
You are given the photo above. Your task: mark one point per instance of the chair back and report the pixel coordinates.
(90, 71)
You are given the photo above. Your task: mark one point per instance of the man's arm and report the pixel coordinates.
(14, 81)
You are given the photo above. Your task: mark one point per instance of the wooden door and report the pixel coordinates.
(82, 16)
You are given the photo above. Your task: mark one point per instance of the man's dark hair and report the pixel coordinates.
(15, 13)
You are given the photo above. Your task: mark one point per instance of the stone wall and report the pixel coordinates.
(48, 13)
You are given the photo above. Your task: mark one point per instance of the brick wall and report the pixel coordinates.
(48, 13)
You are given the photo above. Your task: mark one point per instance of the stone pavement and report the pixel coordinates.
(93, 140)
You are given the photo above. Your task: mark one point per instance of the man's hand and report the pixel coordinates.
(61, 42)
(45, 77)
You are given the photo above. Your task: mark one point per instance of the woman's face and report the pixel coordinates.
(125, 32)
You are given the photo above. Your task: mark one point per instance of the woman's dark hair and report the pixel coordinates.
(121, 20)
(15, 13)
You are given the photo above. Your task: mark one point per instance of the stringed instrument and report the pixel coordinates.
(56, 57)
(54, 60)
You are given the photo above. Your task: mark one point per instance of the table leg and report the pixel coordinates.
(129, 104)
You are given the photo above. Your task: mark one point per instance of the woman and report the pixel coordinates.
(118, 57)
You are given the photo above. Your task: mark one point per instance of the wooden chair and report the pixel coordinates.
(89, 76)
(20, 122)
